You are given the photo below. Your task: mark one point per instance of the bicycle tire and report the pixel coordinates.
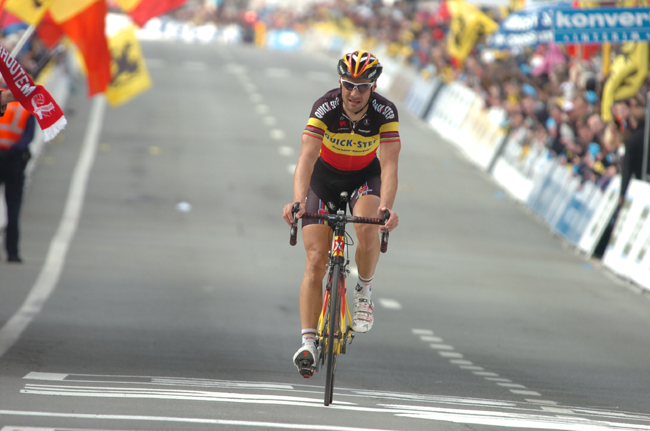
(333, 323)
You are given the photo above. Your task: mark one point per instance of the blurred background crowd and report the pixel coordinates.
(552, 94)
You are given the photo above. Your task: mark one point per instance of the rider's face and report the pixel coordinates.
(354, 99)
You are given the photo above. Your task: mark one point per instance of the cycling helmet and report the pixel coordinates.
(360, 64)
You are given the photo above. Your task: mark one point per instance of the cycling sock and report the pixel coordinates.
(309, 336)
(363, 286)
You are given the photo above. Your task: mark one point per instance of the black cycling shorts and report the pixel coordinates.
(327, 183)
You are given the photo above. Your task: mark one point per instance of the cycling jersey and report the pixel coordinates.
(348, 145)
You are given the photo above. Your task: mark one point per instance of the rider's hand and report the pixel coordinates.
(287, 212)
(392, 222)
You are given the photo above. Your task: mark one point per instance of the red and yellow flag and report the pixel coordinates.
(28, 11)
(83, 21)
(142, 11)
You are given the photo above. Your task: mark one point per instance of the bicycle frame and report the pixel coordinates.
(334, 324)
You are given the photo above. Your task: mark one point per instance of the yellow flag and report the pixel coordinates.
(29, 11)
(467, 25)
(63, 10)
(129, 71)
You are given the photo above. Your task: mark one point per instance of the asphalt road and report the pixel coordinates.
(171, 300)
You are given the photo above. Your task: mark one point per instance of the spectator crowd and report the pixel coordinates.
(551, 93)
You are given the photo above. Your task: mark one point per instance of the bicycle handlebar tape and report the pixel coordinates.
(293, 234)
(384, 236)
(384, 242)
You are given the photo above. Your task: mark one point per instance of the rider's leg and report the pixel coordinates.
(366, 257)
(316, 238)
(367, 253)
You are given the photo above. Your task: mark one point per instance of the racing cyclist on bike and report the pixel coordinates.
(347, 127)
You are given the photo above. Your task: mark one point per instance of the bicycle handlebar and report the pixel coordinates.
(336, 218)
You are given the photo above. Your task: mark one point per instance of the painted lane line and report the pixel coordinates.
(277, 73)
(291, 169)
(430, 339)
(390, 303)
(529, 393)
(195, 65)
(512, 385)
(256, 97)
(55, 259)
(498, 379)
(189, 420)
(261, 109)
(441, 346)
(270, 121)
(557, 410)
(422, 331)
(547, 402)
(486, 374)
(471, 367)
(461, 362)
(286, 151)
(450, 354)
(277, 134)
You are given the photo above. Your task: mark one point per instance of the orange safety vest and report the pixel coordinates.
(12, 125)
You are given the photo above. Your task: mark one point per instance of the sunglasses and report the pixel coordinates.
(360, 87)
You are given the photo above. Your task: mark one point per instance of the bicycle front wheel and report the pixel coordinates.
(333, 330)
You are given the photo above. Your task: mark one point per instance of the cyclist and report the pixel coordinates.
(347, 127)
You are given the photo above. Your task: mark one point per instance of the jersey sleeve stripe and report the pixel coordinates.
(393, 126)
(389, 137)
(314, 131)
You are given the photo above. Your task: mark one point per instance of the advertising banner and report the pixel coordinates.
(602, 25)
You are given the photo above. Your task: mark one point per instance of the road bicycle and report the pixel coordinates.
(334, 330)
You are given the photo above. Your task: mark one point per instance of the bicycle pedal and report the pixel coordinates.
(306, 368)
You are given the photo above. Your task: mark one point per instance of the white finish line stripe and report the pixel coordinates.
(188, 420)
(51, 271)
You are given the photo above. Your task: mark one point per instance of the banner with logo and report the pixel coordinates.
(130, 76)
(602, 25)
(527, 27)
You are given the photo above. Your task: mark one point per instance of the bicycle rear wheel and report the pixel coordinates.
(333, 327)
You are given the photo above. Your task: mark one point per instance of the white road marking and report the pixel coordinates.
(249, 87)
(461, 362)
(512, 385)
(428, 407)
(155, 63)
(270, 121)
(277, 73)
(277, 134)
(556, 410)
(486, 374)
(256, 97)
(529, 393)
(430, 339)
(451, 354)
(422, 331)
(548, 402)
(286, 151)
(291, 169)
(262, 109)
(51, 271)
(390, 303)
(471, 367)
(195, 66)
(321, 76)
(441, 346)
(498, 379)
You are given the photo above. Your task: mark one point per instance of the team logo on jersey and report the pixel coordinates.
(361, 191)
(385, 110)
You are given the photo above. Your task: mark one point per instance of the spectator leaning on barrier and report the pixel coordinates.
(633, 160)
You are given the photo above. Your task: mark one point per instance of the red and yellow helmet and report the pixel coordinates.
(360, 64)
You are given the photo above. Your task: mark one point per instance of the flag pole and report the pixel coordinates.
(23, 40)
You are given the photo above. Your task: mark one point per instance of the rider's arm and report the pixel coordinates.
(305, 167)
(388, 157)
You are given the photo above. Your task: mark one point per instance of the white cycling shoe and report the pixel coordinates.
(362, 319)
(305, 360)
